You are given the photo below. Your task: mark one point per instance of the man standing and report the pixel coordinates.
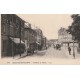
(69, 49)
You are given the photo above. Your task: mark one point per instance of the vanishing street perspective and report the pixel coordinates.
(40, 35)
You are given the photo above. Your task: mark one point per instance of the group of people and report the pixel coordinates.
(58, 46)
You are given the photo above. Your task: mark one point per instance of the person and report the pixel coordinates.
(69, 49)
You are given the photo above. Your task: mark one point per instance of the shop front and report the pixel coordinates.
(18, 46)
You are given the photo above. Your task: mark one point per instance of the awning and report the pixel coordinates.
(16, 40)
(70, 42)
(37, 42)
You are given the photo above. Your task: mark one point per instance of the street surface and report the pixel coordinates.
(49, 56)
(54, 53)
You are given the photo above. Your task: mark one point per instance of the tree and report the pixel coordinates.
(74, 29)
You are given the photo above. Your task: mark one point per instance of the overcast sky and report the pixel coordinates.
(49, 23)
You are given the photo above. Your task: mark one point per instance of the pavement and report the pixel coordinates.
(36, 54)
(62, 54)
(77, 55)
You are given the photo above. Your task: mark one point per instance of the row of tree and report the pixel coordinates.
(74, 28)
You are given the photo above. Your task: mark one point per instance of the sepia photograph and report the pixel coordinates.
(40, 39)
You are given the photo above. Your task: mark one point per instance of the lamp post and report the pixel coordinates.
(73, 43)
(13, 48)
(20, 41)
(73, 48)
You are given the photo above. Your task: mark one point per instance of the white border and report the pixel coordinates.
(33, 72)
(40, 6)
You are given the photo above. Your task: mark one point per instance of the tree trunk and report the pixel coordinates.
(78, 49)
(79, 45)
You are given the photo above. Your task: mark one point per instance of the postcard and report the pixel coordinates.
(40, 39)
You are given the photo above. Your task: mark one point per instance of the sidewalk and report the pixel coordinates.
(77, 55)
(42, 52)
(23, 55)
(18, 56)
(67, 53)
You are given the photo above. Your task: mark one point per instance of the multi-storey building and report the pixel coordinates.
(12, 34)
(53, 42)
(30, 37)
(64, 37)
(39, 38)
(44, 43)
(18, 36)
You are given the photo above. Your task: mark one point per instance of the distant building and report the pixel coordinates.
(44, 42)
(64, 37)
(53, 42)
(39, 38)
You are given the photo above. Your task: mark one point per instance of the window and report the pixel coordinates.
(11, 30)
(4, 46)
(3, 27)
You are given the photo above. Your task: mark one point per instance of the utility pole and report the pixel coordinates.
(12, 39)
(20, 40)
(37, 39)
(73, 49)
(73, 44)
(26, 47)
(12, 47)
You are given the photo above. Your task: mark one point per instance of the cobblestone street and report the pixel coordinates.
(49, 56)
(52, 53)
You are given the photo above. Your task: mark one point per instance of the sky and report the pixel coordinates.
(48, 23)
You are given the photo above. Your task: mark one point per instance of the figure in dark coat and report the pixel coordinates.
(69, 49)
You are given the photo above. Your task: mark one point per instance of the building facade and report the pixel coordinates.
(17, 36)
(39, 38)
(44, 43)
(12, 34)
(30, 38)
(53, 42)
(64, 37)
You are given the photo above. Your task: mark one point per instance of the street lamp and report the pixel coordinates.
(72, 29)
(73, 47)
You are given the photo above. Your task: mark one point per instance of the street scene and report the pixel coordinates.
(52, 53)
(22, 39)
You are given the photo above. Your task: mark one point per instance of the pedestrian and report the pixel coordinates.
(69, 49)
